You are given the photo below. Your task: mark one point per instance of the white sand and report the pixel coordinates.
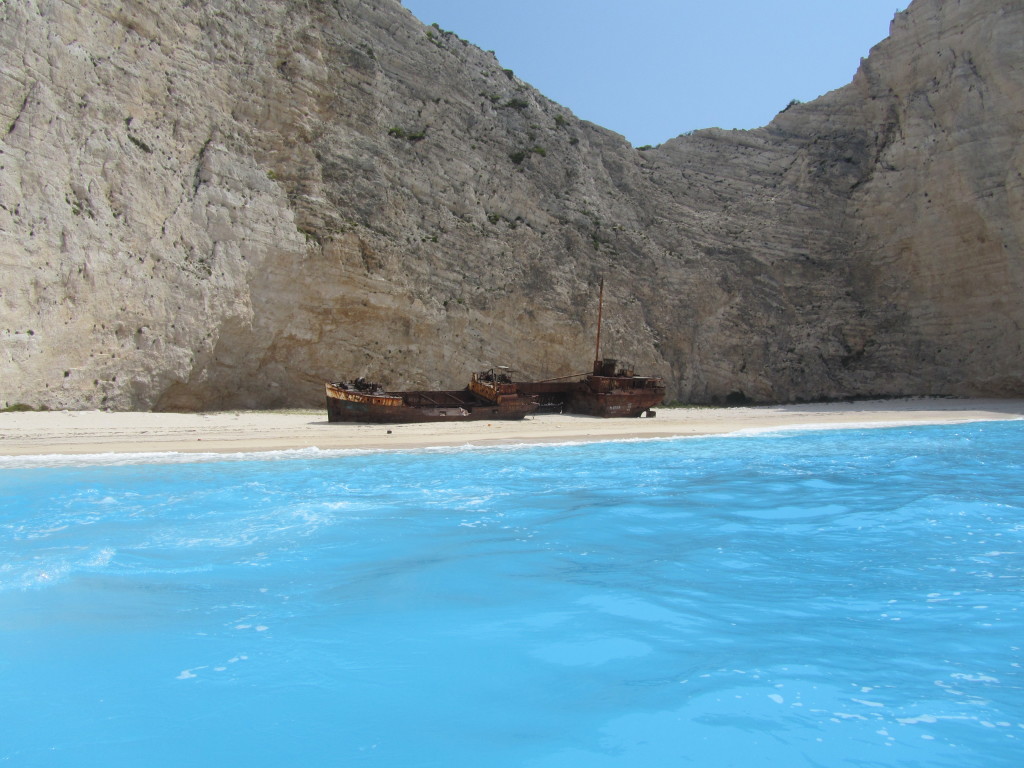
(88, 432)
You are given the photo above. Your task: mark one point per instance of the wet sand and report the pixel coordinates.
(96, 432)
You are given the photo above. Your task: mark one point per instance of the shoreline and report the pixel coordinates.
(97, 432)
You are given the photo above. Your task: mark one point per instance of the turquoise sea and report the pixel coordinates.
(847, 597)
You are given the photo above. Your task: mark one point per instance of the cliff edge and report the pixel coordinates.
(222, 205)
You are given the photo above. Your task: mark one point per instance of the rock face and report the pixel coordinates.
(224, 204)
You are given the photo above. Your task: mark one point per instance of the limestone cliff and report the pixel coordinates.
(223, 204)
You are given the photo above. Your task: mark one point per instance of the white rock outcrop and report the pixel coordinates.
(223, 204)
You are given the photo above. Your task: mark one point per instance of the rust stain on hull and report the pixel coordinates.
(489, 395)
(608, 392)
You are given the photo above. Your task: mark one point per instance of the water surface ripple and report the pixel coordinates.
(840, 597)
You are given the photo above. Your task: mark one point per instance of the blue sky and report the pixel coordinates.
(652, 69)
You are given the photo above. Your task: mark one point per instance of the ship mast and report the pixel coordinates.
(600, 307)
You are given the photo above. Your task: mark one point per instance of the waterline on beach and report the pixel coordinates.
(27, 461)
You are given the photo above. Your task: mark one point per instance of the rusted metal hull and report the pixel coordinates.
(582, 397)
(345, 405)
(607, 393)
(627, 403)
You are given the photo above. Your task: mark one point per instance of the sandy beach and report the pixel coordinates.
(96, 432)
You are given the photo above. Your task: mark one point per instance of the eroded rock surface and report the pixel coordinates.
(223, 204)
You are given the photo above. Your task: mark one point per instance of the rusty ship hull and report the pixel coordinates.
(624, 403)
(484, 398)
(608, 393)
